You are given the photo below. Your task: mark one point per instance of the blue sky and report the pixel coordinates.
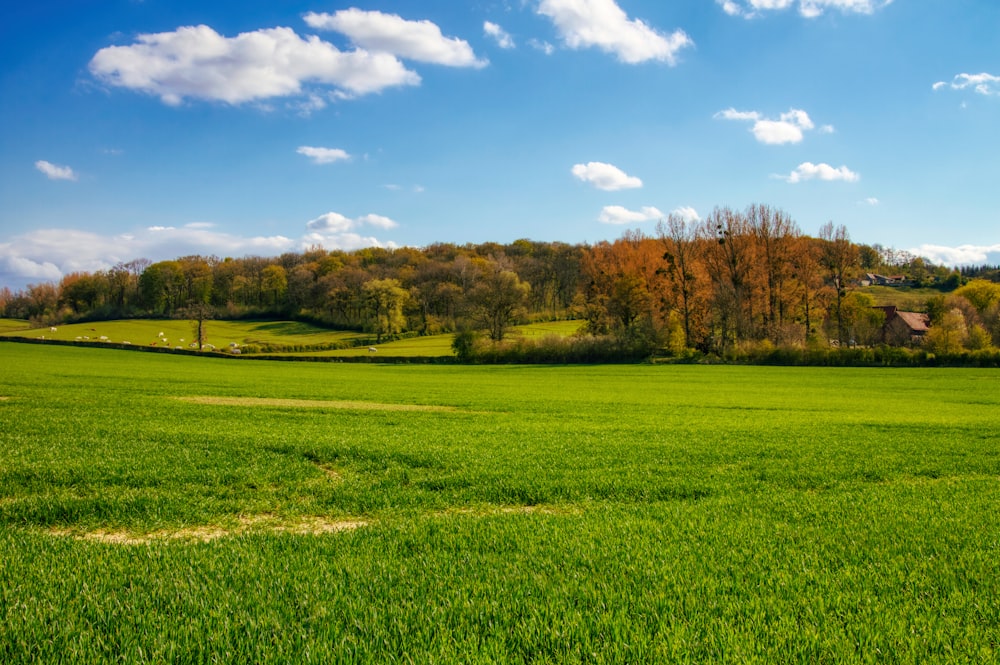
(160, 128)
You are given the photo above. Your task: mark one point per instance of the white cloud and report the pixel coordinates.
(544, 47)
(334, 222)
(622, 215)
(48, 254)
(807, 8)
(687, 213)
(788, 128)
(602, 23)
(983, 84)
(503, 39)
(870, 201)
(323, 155)
(197, 62)
(54, 172)
(377, 221)
(605, 176)
(390, 33)
(959, 256)
(810, 171)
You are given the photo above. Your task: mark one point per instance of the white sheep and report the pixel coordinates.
(127, 343)
(104, 338)
(53, 329)
(236, 350)
(372, 349)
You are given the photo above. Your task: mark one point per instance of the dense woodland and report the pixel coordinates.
(737, 277)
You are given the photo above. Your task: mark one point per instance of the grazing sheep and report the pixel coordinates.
(86, 337)
(128, 343)
(53, 329)
(233, 345)
(236, 350)
(372, 349)
(78, 337)
(193, 345)
(160, 334)
(104, 338)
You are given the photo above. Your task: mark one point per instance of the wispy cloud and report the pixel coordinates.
(48, 254)
(55, 172)
(809, 171)
(983, 84)
(503, 39)
(323, 155)
(608, 177)
(604, 25)
(807, 8)
(621, 215)
(788, 128)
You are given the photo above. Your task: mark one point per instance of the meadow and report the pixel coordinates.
(159, 507)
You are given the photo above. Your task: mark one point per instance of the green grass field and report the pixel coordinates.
(172, 508)
(276, 334)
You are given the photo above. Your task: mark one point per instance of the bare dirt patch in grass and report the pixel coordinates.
(313, 404)
(4, 398)
(308, 525)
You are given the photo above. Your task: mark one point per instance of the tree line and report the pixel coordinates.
(735, 277)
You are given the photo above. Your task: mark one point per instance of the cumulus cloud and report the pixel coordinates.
(54, 172)
(334, 222)
(961, 255)
(788, 128)
(810, 171)
(687, 213)
(983, 84)
(389, 33)
(870, 201)
(197, 62)
(807, 8)
(603, 24)
(622, 215)
(47, 254)
(503, 39)
(608, 177)
(323, 155)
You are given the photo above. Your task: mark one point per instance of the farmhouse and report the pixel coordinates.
(874, 279)
(903, 327)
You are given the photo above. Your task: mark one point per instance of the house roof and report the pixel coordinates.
(917, 321)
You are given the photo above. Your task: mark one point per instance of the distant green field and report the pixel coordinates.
(276, 334)
(182, 333)
(173, 508)
(7, 325)
(905, 298)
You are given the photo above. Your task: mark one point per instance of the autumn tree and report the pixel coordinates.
(680, 260)
(729, 258)
(839, 258)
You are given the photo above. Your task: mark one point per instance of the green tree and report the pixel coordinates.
(497, 300)
(383, 302)
(947, 336)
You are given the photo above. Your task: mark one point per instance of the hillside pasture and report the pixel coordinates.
(181, 332)
(176, 508)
